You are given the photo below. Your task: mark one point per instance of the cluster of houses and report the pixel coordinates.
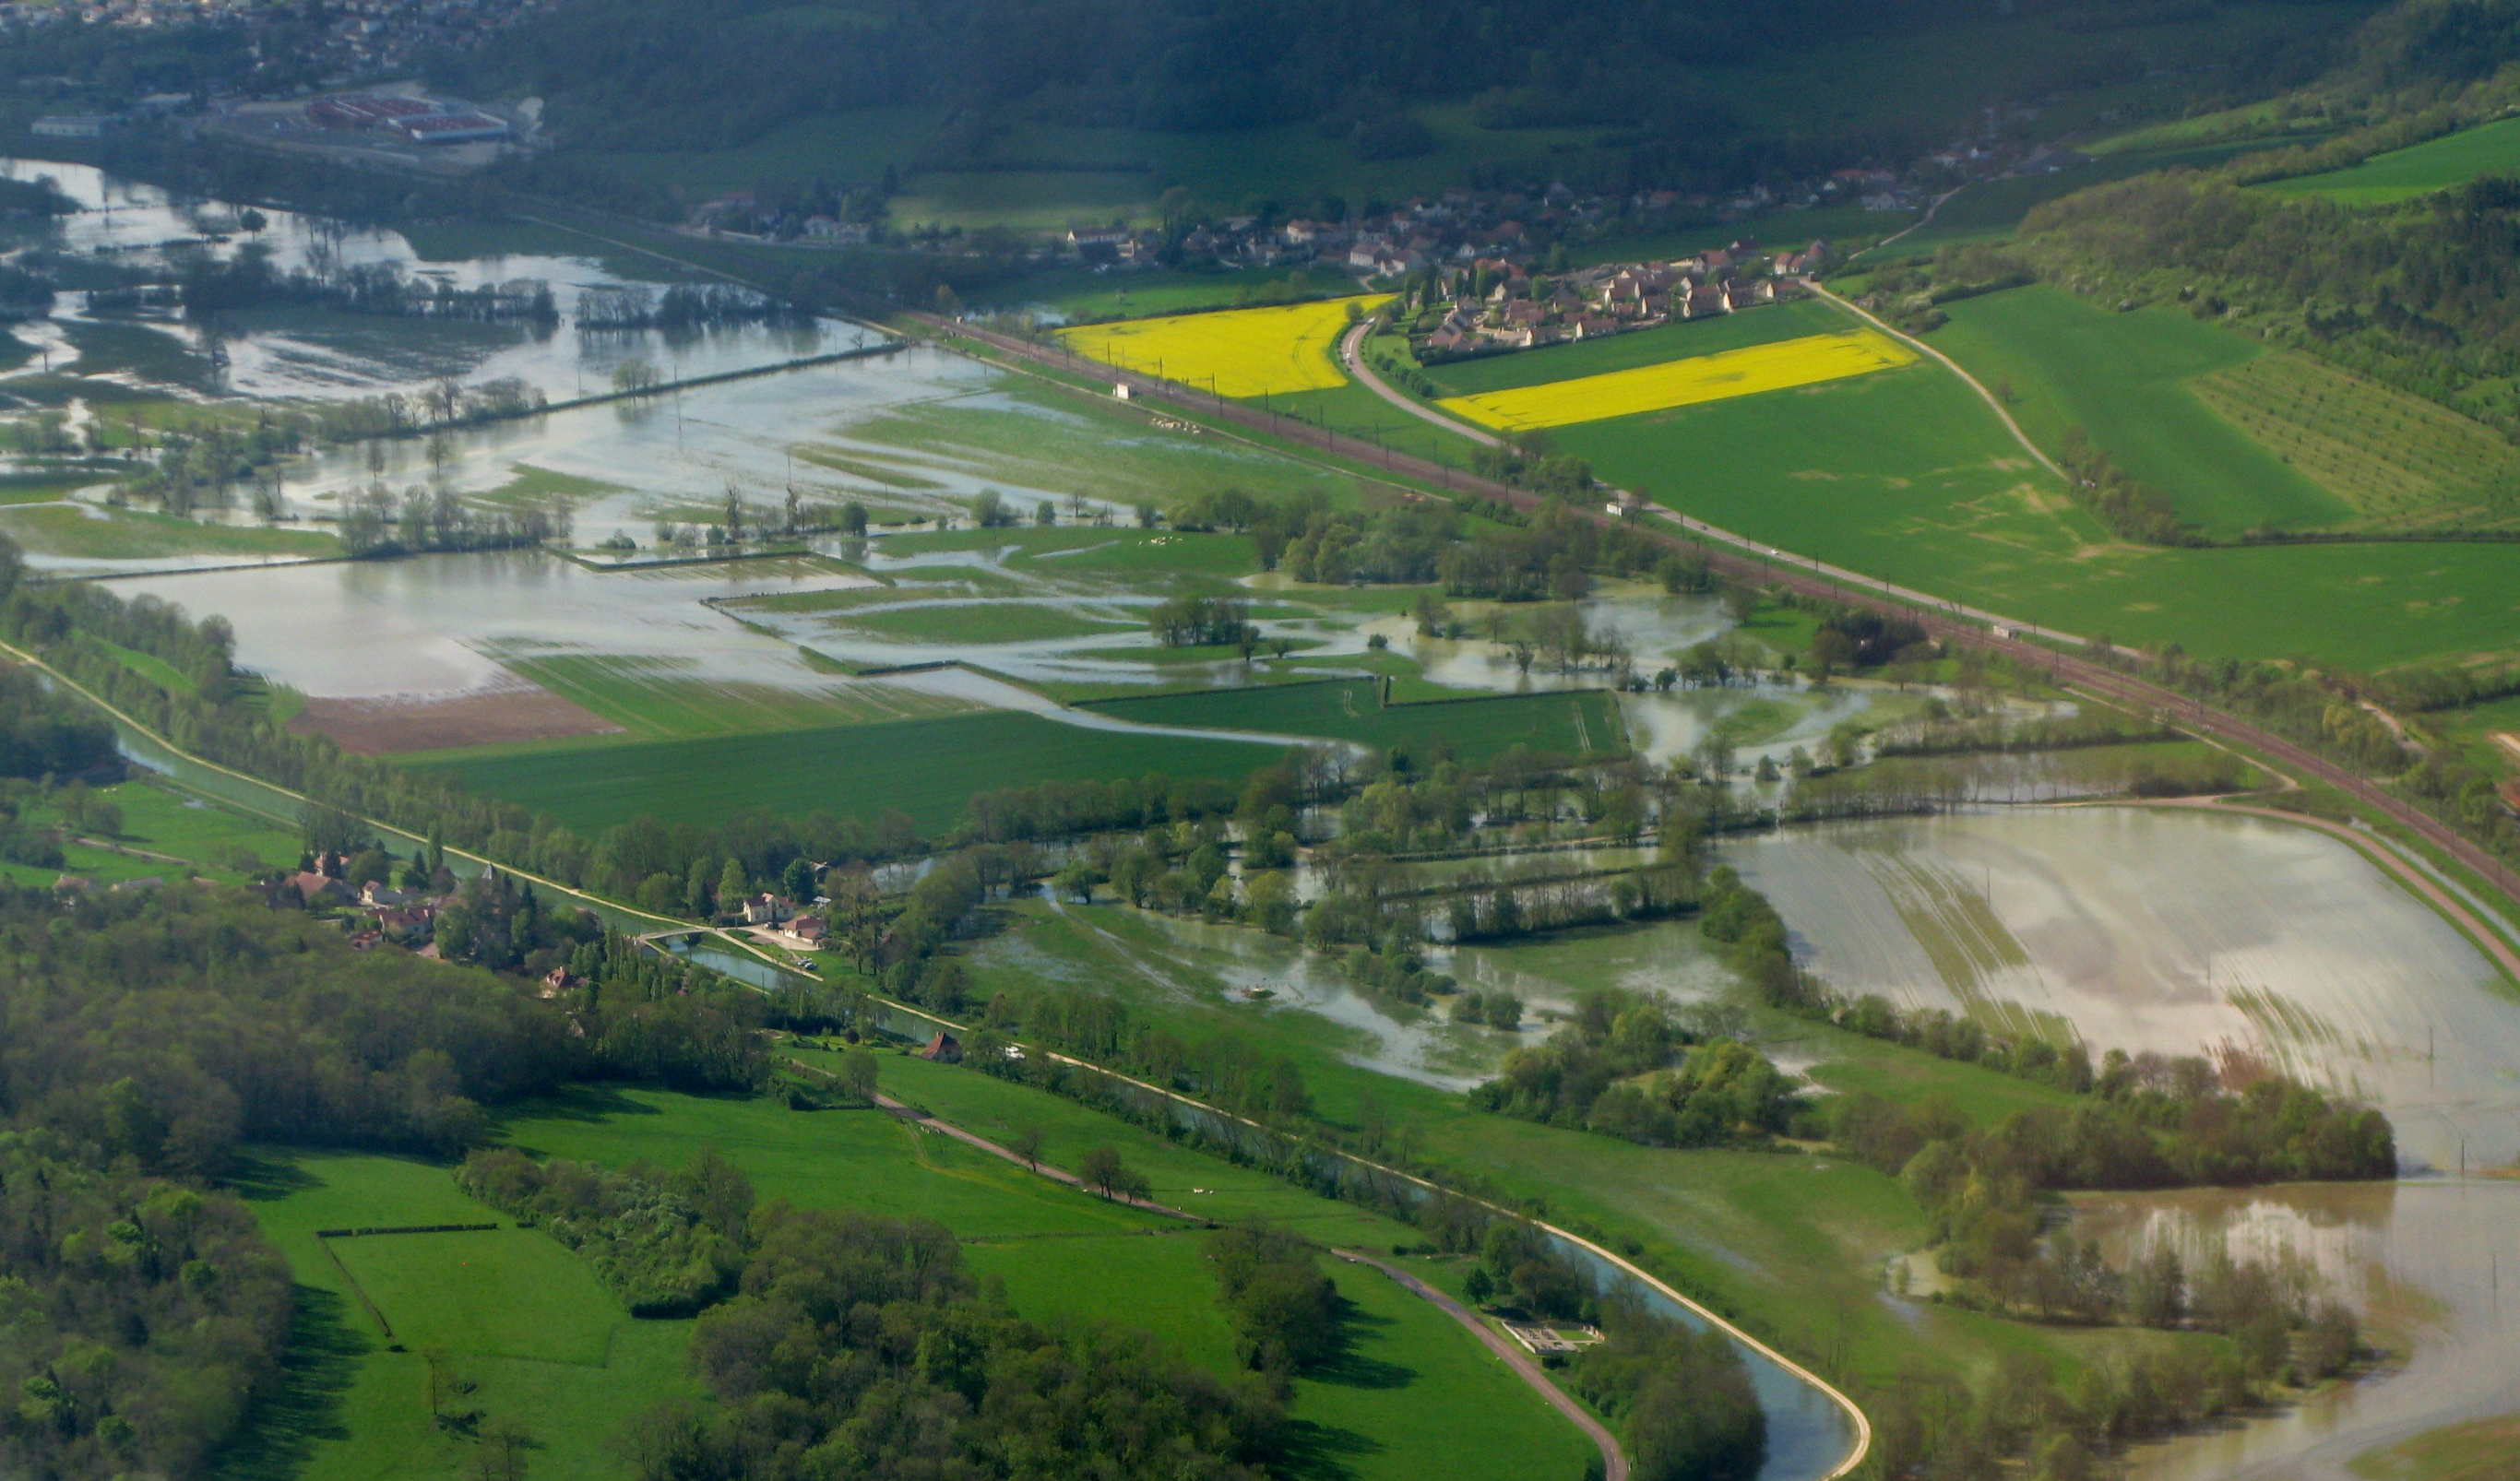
(1494, 305)
(777, 919)
(376, 912)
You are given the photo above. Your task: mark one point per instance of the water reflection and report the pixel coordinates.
(2421, 1261)
(323, 356)
(2172, 929)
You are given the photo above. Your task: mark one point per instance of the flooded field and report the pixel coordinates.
(2421, 1261)
(2175, 930)
(315, 354)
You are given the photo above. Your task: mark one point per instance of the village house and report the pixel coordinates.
(766, 908)
(805, 930)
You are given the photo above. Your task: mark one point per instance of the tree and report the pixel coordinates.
(1104, 1172)
(1477, 1288)
(796, 881)
(504, 1450)
(1026, 1145)
(732, 886)
(858, 1074)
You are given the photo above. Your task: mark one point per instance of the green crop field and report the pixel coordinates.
(1654, 346)
(2402, 461)
(1077, 294)
(1907, 475)
(2491, 149)
(1570, 723)
(926, 768)
(656, 701)
(1988, 210)
(2124, 378)
(519, 1321)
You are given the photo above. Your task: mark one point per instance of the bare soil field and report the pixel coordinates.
(383, 726)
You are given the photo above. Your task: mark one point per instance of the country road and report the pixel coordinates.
(1350, 345)
(1730, 554)
(1614, 1461)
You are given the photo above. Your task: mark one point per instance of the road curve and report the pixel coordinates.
(1614, 1461)
(1350, 345)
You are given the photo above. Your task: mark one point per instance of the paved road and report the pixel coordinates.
(1731, 556)
(1350, 346)
(1614, 1461)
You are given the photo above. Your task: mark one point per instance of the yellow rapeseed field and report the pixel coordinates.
(1683, 382)
(1247, 351)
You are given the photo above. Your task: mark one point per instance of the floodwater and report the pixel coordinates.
(2421, 1261)
(2179, 930)
(312, 355)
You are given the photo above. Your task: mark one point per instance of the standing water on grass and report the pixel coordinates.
(2421, 1262)
(317, 353)
(2174, 930)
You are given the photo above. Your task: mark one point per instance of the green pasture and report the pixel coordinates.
(1789, 1243)
(2124, 377)
(929, 768)
(81, 533)
(208, 837)
(1411, 1379)
(1906, 475)
(2491, 149)
(653, 702)
(520, 1321)
(1570, 722)
(1654, 346)
(1108, 554)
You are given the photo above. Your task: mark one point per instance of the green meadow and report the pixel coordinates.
(523, 1331)
(928, 768)
(1908, 477)
(2491, 149)
(165, 834)
(2124, 377)
(1793, 1245)
(1571, 723)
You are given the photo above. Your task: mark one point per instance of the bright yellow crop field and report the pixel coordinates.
(1237, 352)
(1806, 361)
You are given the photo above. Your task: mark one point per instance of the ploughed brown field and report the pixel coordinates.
(388, 724)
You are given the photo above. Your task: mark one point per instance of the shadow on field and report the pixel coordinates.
(259, 1179)
(1322, 1452)
(1352, 1369)
(304, 1407)
(576, 1103)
